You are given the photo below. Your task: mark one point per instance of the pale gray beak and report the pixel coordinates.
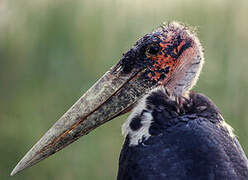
(112, 95)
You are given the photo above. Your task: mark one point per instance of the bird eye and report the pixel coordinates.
(153, 49)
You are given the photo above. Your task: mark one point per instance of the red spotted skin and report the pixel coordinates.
(171, 45)
(166, 62)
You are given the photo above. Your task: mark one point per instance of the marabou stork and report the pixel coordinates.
(172, 132)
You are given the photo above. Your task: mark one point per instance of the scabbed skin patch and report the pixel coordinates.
(175, 58)
(166, 60)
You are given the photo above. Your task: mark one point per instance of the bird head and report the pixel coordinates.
(171, 56)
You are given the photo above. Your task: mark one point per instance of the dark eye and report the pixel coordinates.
(153, 49)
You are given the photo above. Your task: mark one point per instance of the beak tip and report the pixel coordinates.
(22, 164)
(16, 170)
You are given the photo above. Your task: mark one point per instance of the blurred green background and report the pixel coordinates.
(51, 52)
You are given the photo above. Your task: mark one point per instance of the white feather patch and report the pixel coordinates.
(146, 120)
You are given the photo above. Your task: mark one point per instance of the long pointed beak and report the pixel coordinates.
(113, 94)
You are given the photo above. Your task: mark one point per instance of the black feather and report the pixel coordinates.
(192, 145)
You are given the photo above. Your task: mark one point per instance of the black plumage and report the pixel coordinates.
(189, 141)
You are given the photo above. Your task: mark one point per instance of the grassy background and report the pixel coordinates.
(51, 52)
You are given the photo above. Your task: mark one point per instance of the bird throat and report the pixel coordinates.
(187, 72)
